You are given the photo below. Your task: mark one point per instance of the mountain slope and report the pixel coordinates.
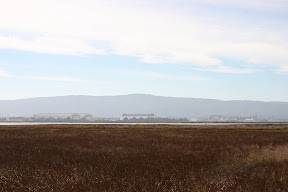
(115, 106)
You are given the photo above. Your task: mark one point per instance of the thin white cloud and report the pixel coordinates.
(283, 69)
(258, 4)
(227, 69)
(3, 74)
(153, 35)
(67, 79)
(51, 45)
(155, 75)
(44, 78)
(181, 57)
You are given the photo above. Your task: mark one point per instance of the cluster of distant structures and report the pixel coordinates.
(85, 117)
(62, 116)
(52, 117)
(223, 118)
(149, 118)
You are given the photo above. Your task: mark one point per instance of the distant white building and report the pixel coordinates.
(15, 119)
(232, 118)
(217, 118)
(136, 116)
(63, 116)
(250, 119)
(193, 119)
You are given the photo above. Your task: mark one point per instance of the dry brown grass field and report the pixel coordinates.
(143, 158)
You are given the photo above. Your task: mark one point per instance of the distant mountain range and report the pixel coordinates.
(115, 106)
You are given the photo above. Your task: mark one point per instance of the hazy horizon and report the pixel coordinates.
(172, 107)
(138, 94)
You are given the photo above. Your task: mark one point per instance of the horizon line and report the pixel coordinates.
(182, 97)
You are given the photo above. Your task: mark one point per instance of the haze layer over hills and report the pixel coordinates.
(115, 106)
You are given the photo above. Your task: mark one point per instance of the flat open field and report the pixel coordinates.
(143, 158)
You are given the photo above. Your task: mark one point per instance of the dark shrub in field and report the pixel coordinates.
(143, 158)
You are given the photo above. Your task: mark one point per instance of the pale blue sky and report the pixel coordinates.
(220, 49)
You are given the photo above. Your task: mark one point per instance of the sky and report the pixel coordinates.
(218, 49)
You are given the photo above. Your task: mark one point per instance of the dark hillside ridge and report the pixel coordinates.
(115, 106)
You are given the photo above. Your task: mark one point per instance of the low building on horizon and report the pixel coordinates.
(223, 118)
(62, 116)
(16, 119)
(136, 116)
(193, 119)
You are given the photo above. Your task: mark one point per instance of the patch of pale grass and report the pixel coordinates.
(268, 153)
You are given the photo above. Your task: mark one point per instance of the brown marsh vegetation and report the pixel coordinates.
(143, 158)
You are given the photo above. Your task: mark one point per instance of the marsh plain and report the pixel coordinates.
(144, 158)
